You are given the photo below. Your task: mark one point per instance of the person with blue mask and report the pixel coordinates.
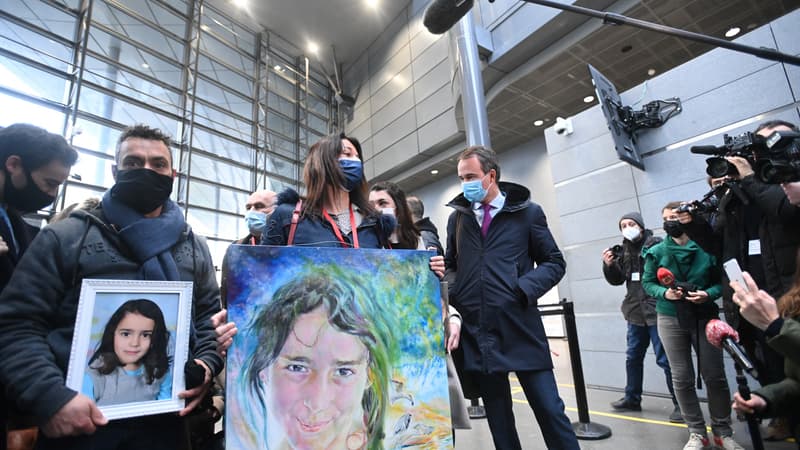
(259, 206)
(501, 258)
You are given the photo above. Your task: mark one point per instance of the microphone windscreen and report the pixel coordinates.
(717, 330)
(705, 150)
(441, 15)
(665, 277)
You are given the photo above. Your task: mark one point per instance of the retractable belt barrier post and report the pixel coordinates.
(584, 428)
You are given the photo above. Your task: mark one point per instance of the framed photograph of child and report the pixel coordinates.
(130, 345)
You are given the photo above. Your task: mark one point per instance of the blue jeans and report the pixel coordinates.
(639, 338)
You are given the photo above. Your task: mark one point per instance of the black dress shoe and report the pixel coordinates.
(625, 404)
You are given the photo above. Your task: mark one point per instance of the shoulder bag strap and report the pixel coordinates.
(295, 218)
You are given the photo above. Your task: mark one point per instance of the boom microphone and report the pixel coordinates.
(441, 15)
(706, 150)
(721, 335)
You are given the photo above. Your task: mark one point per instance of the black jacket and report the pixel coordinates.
(429, 234)
(495, 285)
(24, 234)
(777, 227)
(637, 307)
(39, 305)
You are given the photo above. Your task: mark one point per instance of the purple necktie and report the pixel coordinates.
(487, 218)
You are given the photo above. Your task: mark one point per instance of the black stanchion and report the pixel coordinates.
(752, 422)
(584, 428)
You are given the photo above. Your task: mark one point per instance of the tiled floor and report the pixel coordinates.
(648, 429)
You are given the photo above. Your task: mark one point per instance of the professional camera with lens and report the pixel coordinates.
(709, 203)
(743, 145)
(779, 160)
(775, 159)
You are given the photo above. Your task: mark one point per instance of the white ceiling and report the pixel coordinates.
(349, 25)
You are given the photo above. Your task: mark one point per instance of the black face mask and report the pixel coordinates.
(28, 199)
(673, 228)
(142, 190)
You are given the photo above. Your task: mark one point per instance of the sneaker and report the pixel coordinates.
(726, 443)
(624, 404)
(696, 442)
(777, 430)
(676, 416)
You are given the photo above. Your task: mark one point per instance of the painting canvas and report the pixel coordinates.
(129, 337)
(337, 349)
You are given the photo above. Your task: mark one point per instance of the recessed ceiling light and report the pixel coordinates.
(588, 99)
(434, 171)
(145, 65)
(538, 123)
(313, 47)
(371, 3)
(733, 32)
(626, 48)
(278, 68)
(240, 3)
(651, 71)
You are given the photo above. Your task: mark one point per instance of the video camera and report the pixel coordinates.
(775, 159)
(709, 203)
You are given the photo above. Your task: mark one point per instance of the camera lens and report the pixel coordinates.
(718, 167)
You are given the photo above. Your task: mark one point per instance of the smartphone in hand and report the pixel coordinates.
(734, 272)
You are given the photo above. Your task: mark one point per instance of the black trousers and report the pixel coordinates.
(160, 432)
(542, 395)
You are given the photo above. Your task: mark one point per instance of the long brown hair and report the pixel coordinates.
(323, 173)
(789, 303)
(407, 232)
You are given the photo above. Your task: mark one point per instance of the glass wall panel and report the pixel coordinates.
(135, 58)
(121, 111)
(16, 110)
(211, 46)
(93, 170)
(213, 143)
(127, 25)
(229, 31)
(224, 98)
(36, 47)
(94, 136)
(31, 81)
(226, 76)
(47, 17)
(217, 171)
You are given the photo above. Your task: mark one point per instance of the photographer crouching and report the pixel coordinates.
(623, 264)
(756, 225)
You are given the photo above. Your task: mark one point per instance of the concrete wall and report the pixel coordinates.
(722, 92)
(404, 102)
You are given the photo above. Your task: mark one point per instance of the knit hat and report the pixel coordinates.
(634, 216)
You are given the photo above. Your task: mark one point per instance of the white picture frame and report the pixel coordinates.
(99, 300)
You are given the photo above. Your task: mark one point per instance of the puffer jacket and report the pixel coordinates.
(39, 305)
(784, 396)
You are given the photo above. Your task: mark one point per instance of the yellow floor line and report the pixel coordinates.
(620, 416)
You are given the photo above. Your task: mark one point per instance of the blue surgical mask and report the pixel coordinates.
(474, 190)
(353, 173)
(256, 221)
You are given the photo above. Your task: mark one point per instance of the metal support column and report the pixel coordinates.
(473, 100)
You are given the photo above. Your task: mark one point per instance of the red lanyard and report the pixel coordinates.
(339, 233)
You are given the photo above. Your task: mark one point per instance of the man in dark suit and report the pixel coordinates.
(500, 258)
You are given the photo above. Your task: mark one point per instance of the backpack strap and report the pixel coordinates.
(295, 218)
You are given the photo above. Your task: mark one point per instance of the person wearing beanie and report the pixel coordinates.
(623, 264)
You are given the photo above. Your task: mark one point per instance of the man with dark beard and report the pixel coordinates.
(136, 233)
(35, 164)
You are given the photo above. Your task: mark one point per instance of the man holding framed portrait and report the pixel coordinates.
(136, 233)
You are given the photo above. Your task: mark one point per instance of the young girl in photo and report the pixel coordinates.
(131, 363)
